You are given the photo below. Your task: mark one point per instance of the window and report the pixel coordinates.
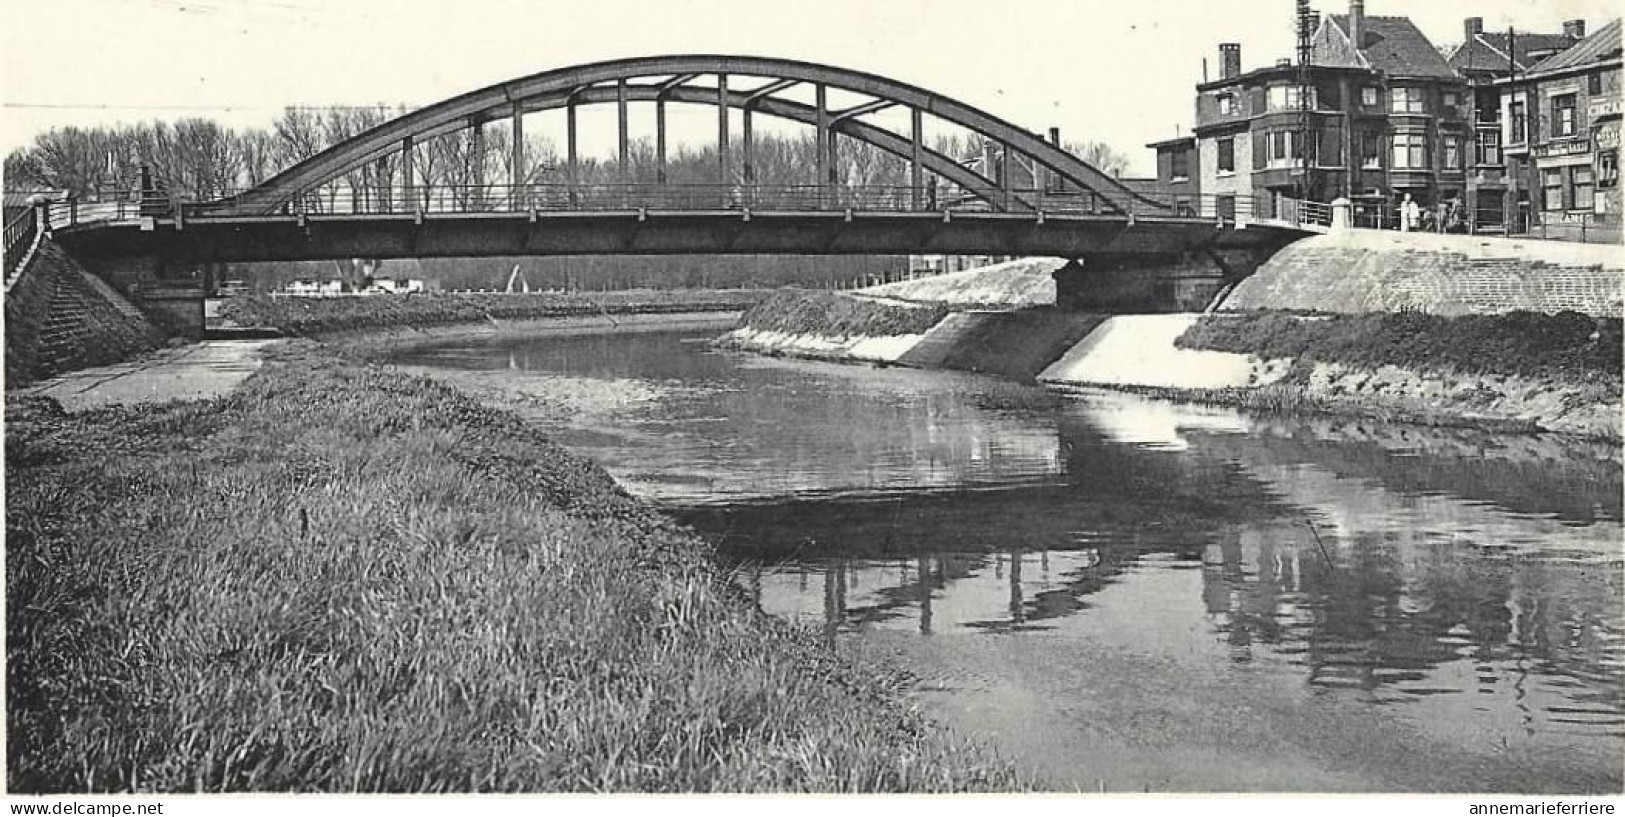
(1450, 99)
(1227, 155)
(1563, 121)
(1371, 150)
(1410, 151)
(1285, 97)
(1581, 176)
(1518, 113)
(1406, 100)
(1489, 147)
(1179, 164)
(1594, 84)
(1551, 181)
(1227, 104)
(1452, 152)
(1368, 96)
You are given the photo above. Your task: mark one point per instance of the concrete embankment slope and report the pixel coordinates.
(1024, 282)
(59, 317)
(1139, 353)
(1004, 323)
(1383, 271)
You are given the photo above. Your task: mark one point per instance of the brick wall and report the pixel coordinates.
(60, 317)
(1370, 271)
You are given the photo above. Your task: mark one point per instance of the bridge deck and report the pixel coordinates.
(236, 238)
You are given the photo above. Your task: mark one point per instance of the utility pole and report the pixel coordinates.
(1306, 142)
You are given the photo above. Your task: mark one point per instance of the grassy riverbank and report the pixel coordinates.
(1518, 372)
(315, 316)
(1567, 345)
(343, 578)
(836, 314)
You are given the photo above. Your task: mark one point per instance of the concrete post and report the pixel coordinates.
(1341, 208)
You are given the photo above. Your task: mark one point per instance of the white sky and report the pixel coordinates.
(1120, 71)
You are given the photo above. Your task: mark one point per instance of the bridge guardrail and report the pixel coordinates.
(1224, 210)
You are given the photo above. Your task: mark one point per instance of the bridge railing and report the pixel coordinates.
(1223, 209)
(21, 232)
(498, 198)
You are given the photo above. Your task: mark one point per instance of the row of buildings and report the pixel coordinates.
(1509, 131)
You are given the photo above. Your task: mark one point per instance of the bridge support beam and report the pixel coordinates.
(1007, 176)
(747, 139)
(409, 198)
(660, 139)
(621, 141)
(722, 130)
(516, 164)
(476, 150)
(570, 174)
(916, 158)
(821, 142)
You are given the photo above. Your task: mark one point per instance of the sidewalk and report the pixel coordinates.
(193, 372)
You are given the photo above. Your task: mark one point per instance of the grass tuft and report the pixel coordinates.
(1568, 345)
(816, 312)
(342, 578)
(316, 316)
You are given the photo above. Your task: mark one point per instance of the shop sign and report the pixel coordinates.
(1605, 106)
(1562, 149)
(1608, 137)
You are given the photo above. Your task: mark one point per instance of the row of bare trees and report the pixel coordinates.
(199, 159)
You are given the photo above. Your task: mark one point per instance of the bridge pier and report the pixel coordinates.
(170, 297)
(1138, 284)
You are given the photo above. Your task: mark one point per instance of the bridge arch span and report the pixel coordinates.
(671, 78)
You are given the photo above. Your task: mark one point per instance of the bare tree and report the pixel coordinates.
(1101, 156)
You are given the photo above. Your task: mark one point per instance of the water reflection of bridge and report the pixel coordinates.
(1411, 607)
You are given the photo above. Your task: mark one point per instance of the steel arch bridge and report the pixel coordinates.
(1071, 209)
(752, 85)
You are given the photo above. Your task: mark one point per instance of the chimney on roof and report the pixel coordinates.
(1357, 23)
(1473, 26)
(1055, 136)
(1575, 29)
(1229, 60)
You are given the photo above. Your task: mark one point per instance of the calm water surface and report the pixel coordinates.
(1123, 594)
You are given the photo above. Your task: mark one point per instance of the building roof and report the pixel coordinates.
(1394, 45)
(1487, 51)
(1601, 46)
(1178, 141)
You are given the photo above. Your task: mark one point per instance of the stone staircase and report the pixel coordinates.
(61, 317)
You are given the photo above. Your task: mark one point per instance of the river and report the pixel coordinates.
(1129, 595)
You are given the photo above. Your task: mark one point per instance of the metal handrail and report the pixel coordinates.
(420, 200)
(22, 236)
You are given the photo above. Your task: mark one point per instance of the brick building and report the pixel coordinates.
(1387, 117)
(1481, 59)
(1179, 178)
(1560, 133)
